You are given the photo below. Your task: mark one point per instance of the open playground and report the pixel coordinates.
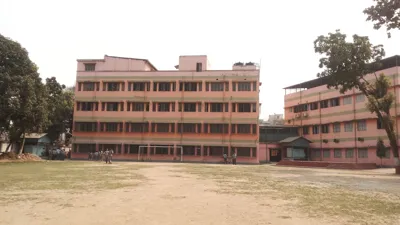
(81, 192)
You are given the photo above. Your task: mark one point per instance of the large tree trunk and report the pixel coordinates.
(21, 149)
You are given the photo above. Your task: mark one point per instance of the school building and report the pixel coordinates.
(338, 127)
(192, 113)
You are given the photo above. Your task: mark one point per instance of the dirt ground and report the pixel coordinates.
(181, 194)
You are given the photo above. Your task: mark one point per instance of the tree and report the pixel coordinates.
(345, 66)
(23, 99)
(380, 149)
(384, 13)
(60, 109)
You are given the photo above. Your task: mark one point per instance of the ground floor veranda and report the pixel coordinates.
(173, 152)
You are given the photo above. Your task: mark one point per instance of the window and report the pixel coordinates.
(244, 107)
(243, 128)
(316, 153)
(306, 130)
(338, 153)
(163, 107)
(187, 127)
(324, 104)
(173, 106)
(111, 106)
(190, 150)
(137, 127)
(199, 67)
(243, 151)
(90, 66)
(86, 106)
(253, 107)
(362, 153)
(327, 153)
(86, 126)
(325, 128)
(336, 128)
(217, 86)
(233, 107)
(301, 108)
(111, 86)
(164, 86)
(218, 128)
(348, 127)
(349, 153)
(234, 84)
(139, 106)
(188, 86)
(139, 86)
(88, 86)
(360, 98)
(199, 107)
(335, 102)
(314, 106)
(110, 127)
(189, 107)
(315, 129)
(379, 124)
(254, 85)
(216, 150)
(160, 127)
(361, 125)
(244, 86)
(226, 107)
(347, 100)
(216, 107)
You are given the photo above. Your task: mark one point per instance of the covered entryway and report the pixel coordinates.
(275, 154)
(295, 148)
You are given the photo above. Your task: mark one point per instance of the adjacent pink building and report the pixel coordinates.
(189, 114)
(339, 126)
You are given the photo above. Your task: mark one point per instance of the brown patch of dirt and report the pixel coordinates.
(11, 156)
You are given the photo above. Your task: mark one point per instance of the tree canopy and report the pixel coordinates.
(384, 13)
(347, 63)
(26, 104)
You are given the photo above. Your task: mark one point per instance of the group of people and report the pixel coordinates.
(102, 155)
(57, 154)
(233, 157)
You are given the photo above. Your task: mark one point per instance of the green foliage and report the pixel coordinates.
(345, 66)
(27, 105)
(347, 63)
(380, 149)
(61, 108)
(22, 94)
(384, 13)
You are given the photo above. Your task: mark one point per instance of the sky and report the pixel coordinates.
(279, 34)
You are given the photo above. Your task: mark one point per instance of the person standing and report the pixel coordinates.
(234, 158)
(110, 155)
(225, 158)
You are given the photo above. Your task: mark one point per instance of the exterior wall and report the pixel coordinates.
(264, 151)
(188, 63)
(116, 64)
(344, 113)
(116, 70)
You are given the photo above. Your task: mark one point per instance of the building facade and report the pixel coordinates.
(339, 126)
(189, 114)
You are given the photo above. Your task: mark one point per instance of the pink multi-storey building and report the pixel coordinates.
(189, 114)
(339, 126)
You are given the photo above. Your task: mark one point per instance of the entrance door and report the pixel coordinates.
(275, 155)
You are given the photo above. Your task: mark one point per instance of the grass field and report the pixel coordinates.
(153, 193)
